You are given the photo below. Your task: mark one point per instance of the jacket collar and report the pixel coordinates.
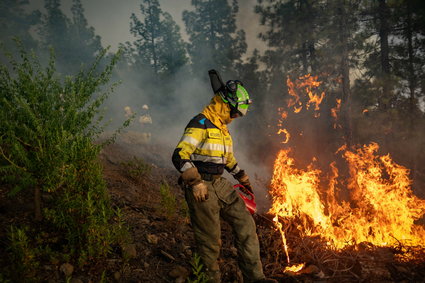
(218, 112)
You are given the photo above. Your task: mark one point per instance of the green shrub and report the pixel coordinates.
(47, 128)
(197, 270)
(23, 255)
(136, 168)
(168, 200)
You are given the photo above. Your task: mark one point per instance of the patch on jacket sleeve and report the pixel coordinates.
(214, 134)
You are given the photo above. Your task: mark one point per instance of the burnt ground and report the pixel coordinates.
(162, 246)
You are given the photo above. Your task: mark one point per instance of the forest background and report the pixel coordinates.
(369, 54)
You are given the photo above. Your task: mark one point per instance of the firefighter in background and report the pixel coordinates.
(202, 154)
(145, 121)
(142, 133)
(128, 112)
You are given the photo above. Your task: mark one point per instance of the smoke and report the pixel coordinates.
(186, 96)
(172, 103)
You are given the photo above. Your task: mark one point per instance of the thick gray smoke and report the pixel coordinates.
(111, 21)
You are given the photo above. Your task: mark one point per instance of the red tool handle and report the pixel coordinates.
(247, 197)
(244, 191)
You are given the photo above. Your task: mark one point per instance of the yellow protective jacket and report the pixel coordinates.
(206, 143)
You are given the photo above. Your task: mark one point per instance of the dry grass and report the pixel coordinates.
(361, 262)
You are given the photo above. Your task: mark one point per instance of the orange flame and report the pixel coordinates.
(294, 269)
(385, 208)
(298, 109)
(381, 208)
(309, 85)
(282, 234)
(287, 135)
(295, 99)
(335, 111)
(316, 99)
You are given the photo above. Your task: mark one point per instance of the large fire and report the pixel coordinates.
(378, 205)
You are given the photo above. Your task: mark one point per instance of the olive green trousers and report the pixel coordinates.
(224, 201)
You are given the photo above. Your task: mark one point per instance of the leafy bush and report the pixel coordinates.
(47, 128)
(23, 254)
(136, 168)
(199, 275)
(168, 200)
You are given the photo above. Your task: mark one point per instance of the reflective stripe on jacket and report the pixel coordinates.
(206, 147)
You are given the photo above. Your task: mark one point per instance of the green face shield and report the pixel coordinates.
(238, 98)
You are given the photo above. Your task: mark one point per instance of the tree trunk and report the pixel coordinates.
(412, 86)
(412, 76)
(304, 56)
(385, 98)
(345, 73)
(153, 37)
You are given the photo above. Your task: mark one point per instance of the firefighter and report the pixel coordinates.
(145, 121)
(201, 156)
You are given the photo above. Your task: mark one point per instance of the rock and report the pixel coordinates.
(152, 239)
(179, 272)
(129, 250)
(67, 269)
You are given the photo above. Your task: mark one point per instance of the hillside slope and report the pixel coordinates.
(143, 184)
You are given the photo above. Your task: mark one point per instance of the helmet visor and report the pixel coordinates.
(242, 107)
(242, 100)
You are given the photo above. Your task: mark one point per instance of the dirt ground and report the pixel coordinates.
(163, 246)
(163, 240)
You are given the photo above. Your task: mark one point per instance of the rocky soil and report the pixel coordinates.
(142, 183)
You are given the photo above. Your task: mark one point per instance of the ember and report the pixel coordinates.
(294, 268)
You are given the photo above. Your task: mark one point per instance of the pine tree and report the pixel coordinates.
(173, 52)
(293, 29)
(409, 56)
(74, 42)
(15, 22)
(408, 61)
(83, 36)
(341, 53)
(54, 32)
(158, 41)
(215, 41)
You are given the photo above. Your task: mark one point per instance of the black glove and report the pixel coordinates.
(243, 179)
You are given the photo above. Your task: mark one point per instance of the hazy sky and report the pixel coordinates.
(111, 18)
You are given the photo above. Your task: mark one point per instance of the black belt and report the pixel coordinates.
(209, 177)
